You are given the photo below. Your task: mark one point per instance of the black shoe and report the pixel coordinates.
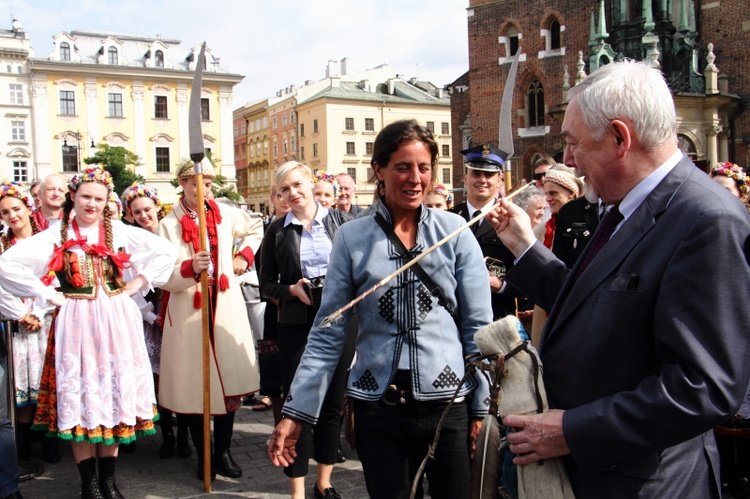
(50, 451)
(183, 445)
(129, 447)
(340, 457)
(167, 445)
(89, 484)
(225, 465)
(329, 493)
(107, 482)
(23, 442)
(13, 495)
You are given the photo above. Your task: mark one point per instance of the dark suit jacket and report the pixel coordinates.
(502, 303)
(648, 350)
(576, 223)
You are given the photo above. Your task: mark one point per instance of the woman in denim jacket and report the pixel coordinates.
(411, 345)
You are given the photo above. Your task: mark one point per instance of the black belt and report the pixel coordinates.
(317, 282)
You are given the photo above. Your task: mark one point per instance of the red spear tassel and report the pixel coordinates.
(197, 300)
(223, 282)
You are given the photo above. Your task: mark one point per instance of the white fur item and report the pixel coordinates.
(545, 479)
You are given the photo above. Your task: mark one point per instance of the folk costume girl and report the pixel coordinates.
(30, 337)
(97, 390)
(233, 365)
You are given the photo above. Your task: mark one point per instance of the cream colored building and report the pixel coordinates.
(132, 92)
(338, 125)
(16, 138)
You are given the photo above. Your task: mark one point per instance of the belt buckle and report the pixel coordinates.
(393, 396)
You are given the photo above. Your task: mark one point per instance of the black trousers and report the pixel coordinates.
(322, 441)
(392, 441)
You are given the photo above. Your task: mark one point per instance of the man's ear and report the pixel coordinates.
(622, 135)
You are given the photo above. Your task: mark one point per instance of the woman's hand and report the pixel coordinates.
(30, 322)
(299, 291)
(58, 299)
(201, 261)
(281, 446)
(135, 285)
(474, 429)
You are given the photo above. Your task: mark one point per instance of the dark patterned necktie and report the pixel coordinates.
(601, 236)
(476, 225)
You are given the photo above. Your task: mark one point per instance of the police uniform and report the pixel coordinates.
(488, 158)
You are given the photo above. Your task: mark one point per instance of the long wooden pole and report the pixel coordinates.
(338, 313)
(206, 326)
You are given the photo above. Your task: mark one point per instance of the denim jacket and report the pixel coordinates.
(403, 308)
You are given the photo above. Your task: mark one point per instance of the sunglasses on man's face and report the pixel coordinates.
(539, 176)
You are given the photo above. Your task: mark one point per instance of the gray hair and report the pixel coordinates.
(525, 198)
(629, 91)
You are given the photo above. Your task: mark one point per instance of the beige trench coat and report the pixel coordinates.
(234, 369)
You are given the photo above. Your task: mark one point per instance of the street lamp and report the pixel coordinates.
(68, 149)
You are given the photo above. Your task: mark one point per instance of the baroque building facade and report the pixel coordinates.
(564, 40)
(128, 91)
(16, 138)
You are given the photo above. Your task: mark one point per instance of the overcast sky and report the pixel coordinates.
(274, 43)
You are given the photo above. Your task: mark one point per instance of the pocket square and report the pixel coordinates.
(625, 282)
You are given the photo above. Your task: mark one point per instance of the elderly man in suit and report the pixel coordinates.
(640, 357)
(484, 185)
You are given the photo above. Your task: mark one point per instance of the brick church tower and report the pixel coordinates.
(700, 46)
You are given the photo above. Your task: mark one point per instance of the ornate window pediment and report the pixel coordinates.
(115, 139)
(66, 83)
(162, 139)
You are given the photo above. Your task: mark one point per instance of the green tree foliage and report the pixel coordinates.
(119, 162)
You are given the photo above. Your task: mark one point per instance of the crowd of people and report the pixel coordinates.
(617, 259)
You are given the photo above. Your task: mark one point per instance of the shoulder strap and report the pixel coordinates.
(416, 268)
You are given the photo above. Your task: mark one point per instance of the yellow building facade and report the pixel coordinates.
(132, 92)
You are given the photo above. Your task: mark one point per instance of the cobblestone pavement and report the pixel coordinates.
(142, 474)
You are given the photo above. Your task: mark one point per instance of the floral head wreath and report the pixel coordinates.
(736, 173)
(322, 175)
(114, 198)
(16, 190)
(328, 177)
(141, 190)
(440, 189)
(93, 173)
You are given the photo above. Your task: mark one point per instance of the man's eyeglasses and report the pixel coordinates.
(539, 176)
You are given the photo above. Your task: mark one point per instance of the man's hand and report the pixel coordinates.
(496, 284)
(281, 446)
(513, 227)
(201, 261)
(536, 437)
(239, 265)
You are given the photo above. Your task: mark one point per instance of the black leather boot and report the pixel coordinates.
(50, 450)
(222, 458)
(167, 434)
(183, 444)
(195, 424)
(107, 478)
(23, 443)
(89, 484)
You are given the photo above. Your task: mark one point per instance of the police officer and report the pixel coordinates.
(483, 178)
